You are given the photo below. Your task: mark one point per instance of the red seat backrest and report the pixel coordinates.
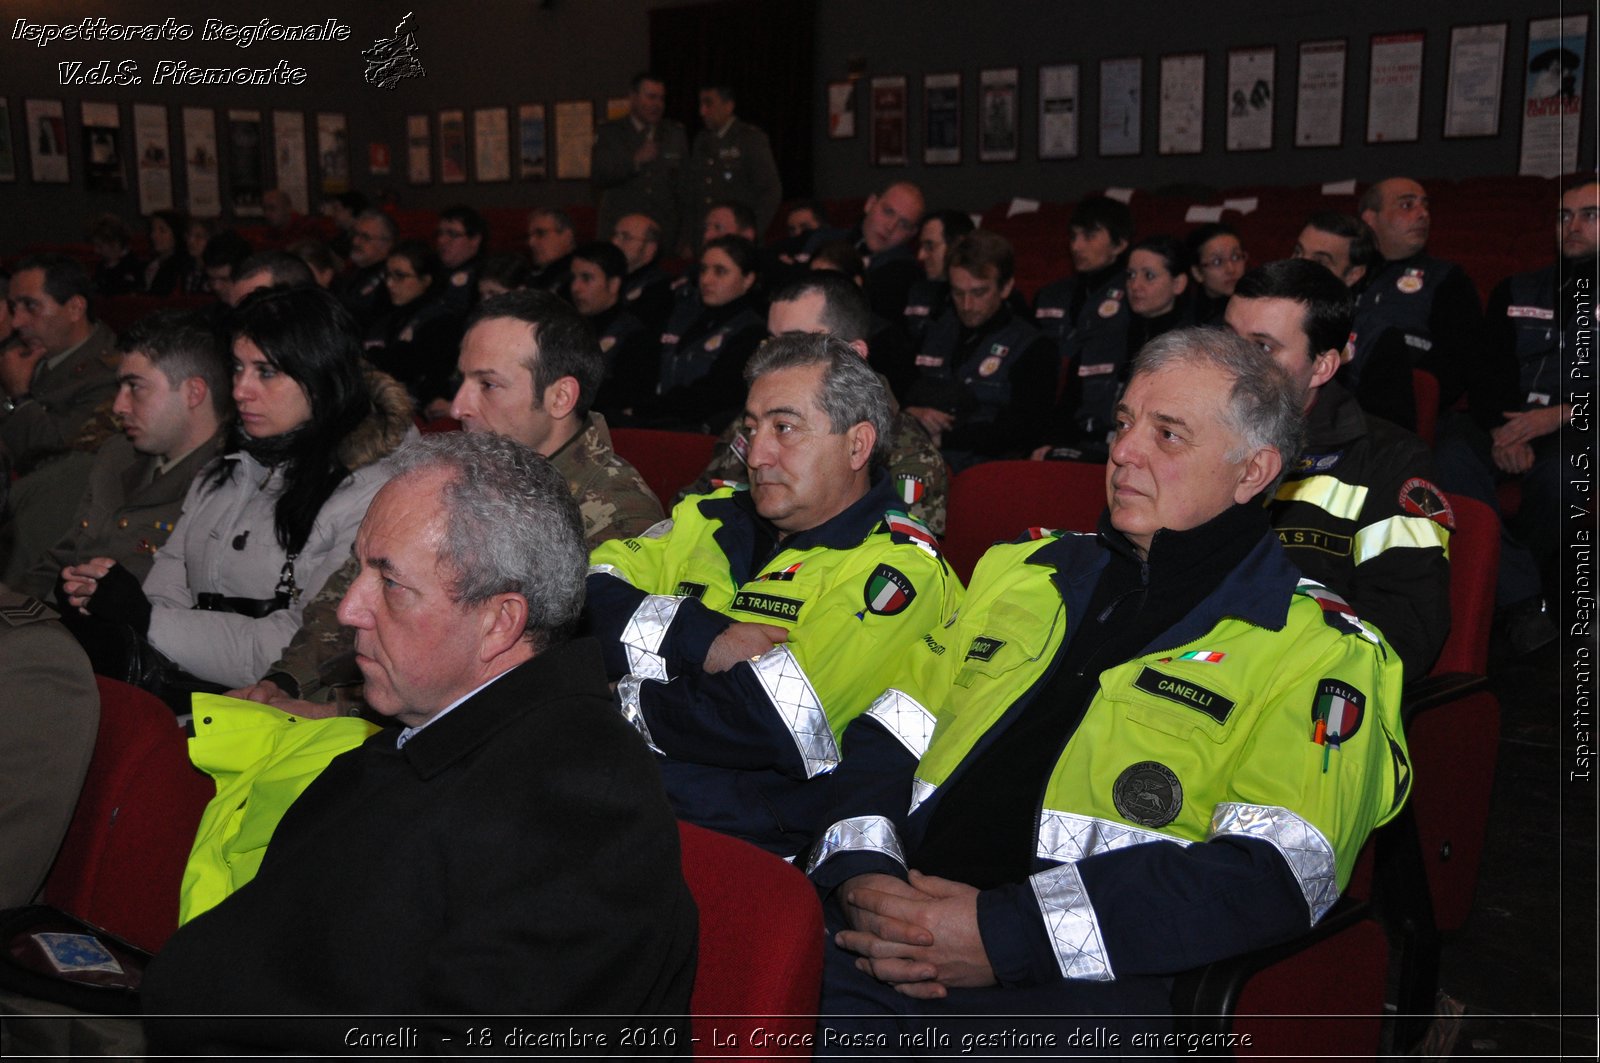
(1474, 563)
(668, 461)
(122, 861)
(761, 941)
(999, 500)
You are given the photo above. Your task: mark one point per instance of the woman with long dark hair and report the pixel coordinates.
(266, 524)
(170, 263)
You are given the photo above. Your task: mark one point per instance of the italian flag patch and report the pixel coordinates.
(888, 591)
(911, 490)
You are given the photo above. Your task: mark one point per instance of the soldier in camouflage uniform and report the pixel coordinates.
(530, 367)
(831, 303)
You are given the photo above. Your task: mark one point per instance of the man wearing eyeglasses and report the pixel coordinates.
(550, 245)
(458, 238)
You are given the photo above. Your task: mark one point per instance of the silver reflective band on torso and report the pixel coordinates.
(798, 707)
(1069, 836)
(1071, 922)
(628, 698)
(1307, 852)
(874, 834)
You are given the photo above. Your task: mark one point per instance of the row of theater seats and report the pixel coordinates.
(1491, 226)
(120, 866)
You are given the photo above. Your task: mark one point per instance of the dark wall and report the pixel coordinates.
(483, 53)
(912, 38)
(507, 52)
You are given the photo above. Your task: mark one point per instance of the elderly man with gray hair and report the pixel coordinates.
(746, 632)
(492, 851)
(1158, 746)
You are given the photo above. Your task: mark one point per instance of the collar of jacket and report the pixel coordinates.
(564, 670)
(1335, 420)
(1256, 591)
(738, 519)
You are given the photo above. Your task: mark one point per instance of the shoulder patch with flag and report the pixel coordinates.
(1420, 497)
(904, 528)
(1337, 712)
(888, 591)
(1035, 534)
(1336, 611)
(1206, 656)
(910, 489)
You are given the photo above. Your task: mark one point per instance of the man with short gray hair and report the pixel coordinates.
(747, 630)
(1157, 747)
(456, 831)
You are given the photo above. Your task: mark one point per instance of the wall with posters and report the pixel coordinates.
(490, 54)
(911, 39)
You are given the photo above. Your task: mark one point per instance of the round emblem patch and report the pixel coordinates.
(1109, 307)
(1148, 793)
(1420, 497)
(1410, 284)
(458, 278)
(990, 365)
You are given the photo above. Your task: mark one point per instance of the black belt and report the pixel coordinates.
(251, 607)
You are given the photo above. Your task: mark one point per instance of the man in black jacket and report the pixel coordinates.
(509, 852)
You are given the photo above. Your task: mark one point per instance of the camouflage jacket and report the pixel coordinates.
(916, 468)
(613, 500)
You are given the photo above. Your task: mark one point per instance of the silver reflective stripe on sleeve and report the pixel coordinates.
(921, 790)
(1070, 921)
(869, 834)
(632, 711)
(1308, 853)
(609, 570)
(1069, 836)
(657, 530)
(644, 632)
(903, 717)
(799, 708)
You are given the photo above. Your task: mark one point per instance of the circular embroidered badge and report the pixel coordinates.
(1148, 793)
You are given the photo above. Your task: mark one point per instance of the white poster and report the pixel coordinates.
(152, 157)
(1252, 87)
(200, 162)
(1319, 104)
(1119, 105)
(47, 140)
(491, 138)
(1552, 98)
(289, 156)
(1477, 66)
(1394, 93)
(1180, 124)
(574, 139)
(1058, 111)
(997, 115)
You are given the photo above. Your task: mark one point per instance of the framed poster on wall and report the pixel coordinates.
(941, 119)
(841, 110)
(1319, 101)
(419, 150)
(889, 121)
(491, 141)
(289, 155)
(531, 142)
(200, 162)
(333, 153)
(452, 147)
(1477, 70)
(47, 140)
(246, 163)
(574, 139)
(1394, 88)
(152, 151)
(1058, 111)
(1552, 94)
(1252, 94)
(1120, 104)
(102, 147)
(1180, 119)
(997, 115)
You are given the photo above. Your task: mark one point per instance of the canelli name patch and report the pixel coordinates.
(768, 605)
(1184, 692)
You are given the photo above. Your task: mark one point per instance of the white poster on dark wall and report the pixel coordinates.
(1319, 100)
(1394, 90)
(1058, 111)
(1252, 97)
(1180, 124)
(289, 156)
(152, 157)
(200, 162)
(1552, 95)
(1121, 98)
(1477, 70)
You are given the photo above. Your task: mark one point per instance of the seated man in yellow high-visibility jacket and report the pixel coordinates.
(1143, 751)
(748, 630)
